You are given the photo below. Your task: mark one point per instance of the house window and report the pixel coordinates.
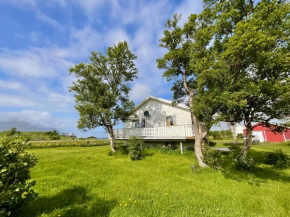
(139, 124)
(143, 123)
(171, 121)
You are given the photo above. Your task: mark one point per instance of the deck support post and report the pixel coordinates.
(181, 148)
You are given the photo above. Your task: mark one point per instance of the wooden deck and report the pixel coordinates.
(181, 132)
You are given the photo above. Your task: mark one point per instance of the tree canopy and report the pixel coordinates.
(186, 58)
(102, 88)
(232, 62)
(250, 71)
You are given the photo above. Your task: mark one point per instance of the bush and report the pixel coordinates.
(212, 158)
(136, 151)
(240, 136)
(15, 163)
(13, 132)
(278, 158)
(212, 144)
(123, 150)
(245, 165)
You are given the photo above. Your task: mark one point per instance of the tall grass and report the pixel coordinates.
(78, 181)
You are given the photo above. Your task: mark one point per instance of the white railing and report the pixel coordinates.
(178, 132)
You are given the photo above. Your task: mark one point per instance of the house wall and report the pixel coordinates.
(158, 112)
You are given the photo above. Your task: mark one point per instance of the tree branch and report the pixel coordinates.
(189, 90)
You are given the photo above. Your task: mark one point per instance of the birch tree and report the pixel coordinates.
(232, 129)
(102, 88)
(186, 58)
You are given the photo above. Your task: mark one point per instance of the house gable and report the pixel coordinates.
(158, 110)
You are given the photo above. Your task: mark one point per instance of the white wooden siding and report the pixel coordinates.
(158, 112)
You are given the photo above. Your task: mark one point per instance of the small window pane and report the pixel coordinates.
(137, 125)
(143, 123)
(171, 121)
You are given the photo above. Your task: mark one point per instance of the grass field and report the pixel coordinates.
(86, 181)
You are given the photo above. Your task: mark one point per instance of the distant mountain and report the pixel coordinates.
(22, 126)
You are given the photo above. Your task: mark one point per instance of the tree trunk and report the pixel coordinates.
(198, 140)
(248, 143)
(232, 129)
(204, 136)
(113, 140)
(196, 125)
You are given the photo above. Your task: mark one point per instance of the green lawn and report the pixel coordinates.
(86, 181)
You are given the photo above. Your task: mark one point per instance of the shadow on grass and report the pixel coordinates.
(261, 174)
(69, 202)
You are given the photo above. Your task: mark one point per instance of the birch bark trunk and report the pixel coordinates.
(198, 138)
(113, 140)
(232, 129)
(248, 143)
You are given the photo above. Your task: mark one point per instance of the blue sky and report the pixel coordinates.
(40, 40)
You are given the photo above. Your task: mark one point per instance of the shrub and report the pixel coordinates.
(13, 132)
(123, 150)
(136, 151)
(212, 158)
(212, 144)
(15, 163)
(240, 136)
(278, 158)
(111, 153)
(244, 165)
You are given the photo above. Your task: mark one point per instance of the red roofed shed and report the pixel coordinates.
(269, 134)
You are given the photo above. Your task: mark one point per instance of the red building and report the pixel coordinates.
(268, 134)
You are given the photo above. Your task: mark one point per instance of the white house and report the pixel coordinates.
(156, 119)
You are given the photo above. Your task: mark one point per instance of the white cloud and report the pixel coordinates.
(188, 7)
(140, 91)
(16, 101)
(90, 7)
(45, 18)
(10, 85)
(35, 118)
(83, 41)
(62, 101)
(32, 62)
(53, 61)
(32, 5)
(37, 69)
(114, 36)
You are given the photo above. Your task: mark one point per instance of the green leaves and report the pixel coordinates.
(102, 88)
(14, 174)
(250, 50)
